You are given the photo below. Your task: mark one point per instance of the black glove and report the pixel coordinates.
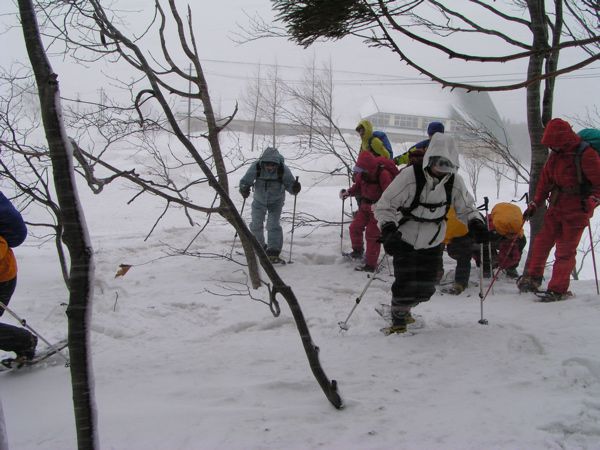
(296, 187)
(479, 231)
(530, 211)
(245, 191)
(391, 238)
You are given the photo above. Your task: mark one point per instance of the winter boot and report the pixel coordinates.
(29, 353)
(552, 296)
(527, 283)
(356, 253)
(454, 289)
(365, 268)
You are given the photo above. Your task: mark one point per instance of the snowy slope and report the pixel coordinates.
(184, 359)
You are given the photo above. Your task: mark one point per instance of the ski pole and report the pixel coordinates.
(342, 228)
(293, 225)
(24, 323)
(593, 258)
(236, 233)
(344, 325)
(495, 277)
(482, 321)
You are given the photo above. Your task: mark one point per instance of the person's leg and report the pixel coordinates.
(259, 212)
(460, 249)
(357, 228)
(372, 235)
(274, 230)
(7, 288)
(18, 340)
(565, 256)
(426, 262)
(542, 245)
(404, 287)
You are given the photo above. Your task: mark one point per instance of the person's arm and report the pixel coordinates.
(288, 179)
(544, 185)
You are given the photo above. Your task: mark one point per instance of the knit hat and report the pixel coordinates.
(435, 127)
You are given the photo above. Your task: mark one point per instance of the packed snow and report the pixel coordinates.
(186, 357)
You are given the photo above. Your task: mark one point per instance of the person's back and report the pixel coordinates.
(369, 143)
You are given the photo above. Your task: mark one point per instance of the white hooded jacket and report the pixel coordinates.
(401, 191)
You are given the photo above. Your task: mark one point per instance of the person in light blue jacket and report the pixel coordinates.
(271, 177)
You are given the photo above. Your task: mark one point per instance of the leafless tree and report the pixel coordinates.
(252, 101)
(90, 32)
(75, 235)
(532, 32)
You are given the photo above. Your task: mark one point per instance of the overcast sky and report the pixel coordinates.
(359, 71)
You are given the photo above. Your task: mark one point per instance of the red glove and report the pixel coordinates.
(530, 211)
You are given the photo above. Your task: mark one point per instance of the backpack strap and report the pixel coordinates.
(584, 184)
(416, 201)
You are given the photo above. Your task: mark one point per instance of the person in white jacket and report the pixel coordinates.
(413, 231)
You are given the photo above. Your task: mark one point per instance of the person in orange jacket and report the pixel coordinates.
(12, 233)
(460, 246)
(568, 213)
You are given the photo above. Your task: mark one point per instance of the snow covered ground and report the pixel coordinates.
(182, 362)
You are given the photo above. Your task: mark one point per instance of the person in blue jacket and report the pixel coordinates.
(13, 232)
(271, 177)
(414, 155)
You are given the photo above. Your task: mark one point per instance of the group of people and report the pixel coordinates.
(424, 208)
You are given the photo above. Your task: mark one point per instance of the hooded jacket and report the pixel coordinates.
(269, 187)
(559, 174)
(506, 219)
(376, 144)
(401, 192)
(371, 179)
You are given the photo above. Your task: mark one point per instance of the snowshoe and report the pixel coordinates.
(394, 329)
(551, 296)
(23, 361)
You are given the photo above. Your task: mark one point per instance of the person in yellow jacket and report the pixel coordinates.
(12, 233)
(460, 246)
(368, 141)
(507, 237)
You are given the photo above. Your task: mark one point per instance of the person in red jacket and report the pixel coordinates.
(568, 213)
(372, 176)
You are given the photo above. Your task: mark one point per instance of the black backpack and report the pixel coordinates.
(416, 201)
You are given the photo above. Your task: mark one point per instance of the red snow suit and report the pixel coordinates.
(371, 180)
(567, 215)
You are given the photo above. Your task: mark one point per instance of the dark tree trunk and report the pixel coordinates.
(75, 232)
